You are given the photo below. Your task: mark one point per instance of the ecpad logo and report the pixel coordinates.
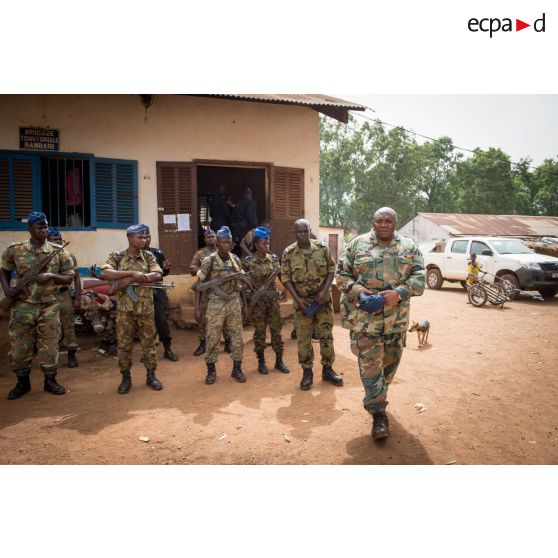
(493, 25)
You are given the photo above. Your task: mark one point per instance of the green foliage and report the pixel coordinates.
(367, 167)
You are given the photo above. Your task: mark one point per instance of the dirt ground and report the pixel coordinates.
(488, 381)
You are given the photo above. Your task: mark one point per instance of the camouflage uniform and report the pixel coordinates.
(308, 270)
(197, 260)
(223, 315)
(35, 319)
(67, 313)
(378, 339)
(266, 311)
(134, 318)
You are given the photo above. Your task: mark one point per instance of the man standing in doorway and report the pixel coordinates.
(220, 208)
(307, 270)
(161, 301)
(377, 274)
(244, 216)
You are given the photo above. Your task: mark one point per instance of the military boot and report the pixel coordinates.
(262, 367)
(228, 345)
(168, 354)
(201, 348)
(307, 378)
(72, 360)
(237, 373)
(328, 375)
(21, 388)
(52, 385)
(126, 383)
(211, 373)
(152, 381)
(380, 426)
(279, 364)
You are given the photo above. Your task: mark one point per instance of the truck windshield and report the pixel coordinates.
(511, 246)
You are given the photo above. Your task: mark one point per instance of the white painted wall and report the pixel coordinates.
(178, 128)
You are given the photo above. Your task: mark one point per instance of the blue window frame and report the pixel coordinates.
(109, 190)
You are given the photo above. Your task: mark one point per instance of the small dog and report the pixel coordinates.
(422, 328)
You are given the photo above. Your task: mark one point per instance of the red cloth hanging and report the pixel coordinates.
(73, 187)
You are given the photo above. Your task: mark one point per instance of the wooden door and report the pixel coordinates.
(333, 241)
(287, 205)
(178, 215)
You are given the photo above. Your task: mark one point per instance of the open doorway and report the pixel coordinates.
(234, 179)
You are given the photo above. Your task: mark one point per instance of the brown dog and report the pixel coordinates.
(422, 328)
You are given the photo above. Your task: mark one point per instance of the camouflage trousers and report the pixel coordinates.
(223, 316)
(378, 359)
(267, 313)
(129, 325)
(30, 325)
(202, 325)
(322, 323)
(67, 320)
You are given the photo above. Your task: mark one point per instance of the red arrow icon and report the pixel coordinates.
(519, 25)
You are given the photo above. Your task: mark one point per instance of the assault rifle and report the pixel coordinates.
(215, 283)
(29, 277)
(263, 291)
(130, 288)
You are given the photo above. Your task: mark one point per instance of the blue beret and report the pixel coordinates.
(208, 232)
(224, 232)
(262, 232)
(137, 229)
(53, 231)
(372, 303)
(247, 190)
(36, 217)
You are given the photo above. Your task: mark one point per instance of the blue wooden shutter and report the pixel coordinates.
(116, 193)
(18, 189)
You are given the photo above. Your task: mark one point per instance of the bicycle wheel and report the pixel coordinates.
(477, 295)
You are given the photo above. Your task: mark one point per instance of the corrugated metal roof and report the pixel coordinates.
(495, 225)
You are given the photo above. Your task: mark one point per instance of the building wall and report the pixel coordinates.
(178, 128)
(324, 237)
(421, 229)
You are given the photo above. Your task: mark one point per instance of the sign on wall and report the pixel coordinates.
(39, 138)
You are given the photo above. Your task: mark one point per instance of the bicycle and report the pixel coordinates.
(496, 293)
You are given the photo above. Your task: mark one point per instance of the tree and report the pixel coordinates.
(546, 180)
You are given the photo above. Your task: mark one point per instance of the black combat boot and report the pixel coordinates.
(307, 378)
(380, 426)
(201, 348)
(211, 373)
(237, 373)
(279, 364)
(168, 354)
(72, 360)
(152, 381)
(228, 345)
(52, 385)
(262, 367)
(328, 375)
(21, 388)
(126, 383)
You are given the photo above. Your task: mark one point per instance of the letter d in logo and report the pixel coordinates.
(536, 25)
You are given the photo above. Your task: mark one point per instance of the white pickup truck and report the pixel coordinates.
(507, 258)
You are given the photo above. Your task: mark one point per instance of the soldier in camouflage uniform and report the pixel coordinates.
(307, 270)
(224, 310)
(35, 316)
(66, 305)
(134, 318)
(199, 256)
(266, 312)
(379, 262)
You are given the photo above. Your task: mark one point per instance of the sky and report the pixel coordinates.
(520, 125)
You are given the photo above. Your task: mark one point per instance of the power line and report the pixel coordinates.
(453, 146)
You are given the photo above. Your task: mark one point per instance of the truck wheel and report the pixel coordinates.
(510, 282)
(548, 292)
(434, 278)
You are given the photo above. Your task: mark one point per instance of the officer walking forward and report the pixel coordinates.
(35, 312)
(266, 312)
(134, 265)
(224, 306)
(377, 274)
(161, 301)
(307, 269)
(66, 306)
